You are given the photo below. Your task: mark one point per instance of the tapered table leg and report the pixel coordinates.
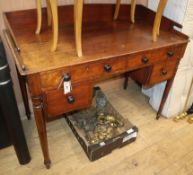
(78, 11)
(22, 83)
(158, 18)
(37, 100)
(54, 12)
(39, 16)
(41, 127)
(164, 97)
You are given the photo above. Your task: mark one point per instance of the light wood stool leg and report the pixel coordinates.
(54, 11)
(158, 18)
(39, 16)
(133, 7)
(49, 13)
(117, 8)
(78, 8)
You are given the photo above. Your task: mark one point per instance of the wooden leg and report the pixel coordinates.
(54, 12)
(22, 83)
(41, 127)
(158, 18)
(164, 97)
(126, 80)
(117, 8)
(49, 13)
(39, 16)
(37, 100)
(133, 7)
(78, 8)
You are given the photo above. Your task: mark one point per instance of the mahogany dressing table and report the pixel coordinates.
(110, 48)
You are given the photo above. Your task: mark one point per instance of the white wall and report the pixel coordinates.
(181, 12)
(175, 9)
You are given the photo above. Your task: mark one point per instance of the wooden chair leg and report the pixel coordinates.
(158, 18)
(49, 13)
(54, 11)
(78, 8)
(133, 7)
(39, 16)
(117, 8)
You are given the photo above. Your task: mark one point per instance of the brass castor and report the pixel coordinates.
(180, 117)
(190, 119)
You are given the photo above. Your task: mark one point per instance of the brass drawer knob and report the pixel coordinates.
(164, 72)
(107, 68)
(70, 99)
(144, 60)
(170, 53)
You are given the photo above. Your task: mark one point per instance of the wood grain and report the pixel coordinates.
(163, 147)
(110, 48)
(117, 35)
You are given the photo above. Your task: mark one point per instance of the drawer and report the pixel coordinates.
(52, 79)
(163, 71)
(94, 70)
(114, 66)
(57, 103)
(151, 57)
(87, 71)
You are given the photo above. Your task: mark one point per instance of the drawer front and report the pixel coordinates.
(57, 103)
(163, 71)
(114, 66)
(83, 72)
(52, 79)
(102, 68)
(94, 70)
(151, 57)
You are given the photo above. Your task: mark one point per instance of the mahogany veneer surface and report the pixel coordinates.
(102, 37)
(109, 48)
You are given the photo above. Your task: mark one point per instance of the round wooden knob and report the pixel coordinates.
(170, 53)
(107, 68)
(70, 99)
(145, 60)
(164, 72)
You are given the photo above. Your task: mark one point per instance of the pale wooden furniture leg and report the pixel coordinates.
(78, 8)
(54, 11)
(158, 18)
(117, 8)
(49, 14)
(133, 7)
(39, 16)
